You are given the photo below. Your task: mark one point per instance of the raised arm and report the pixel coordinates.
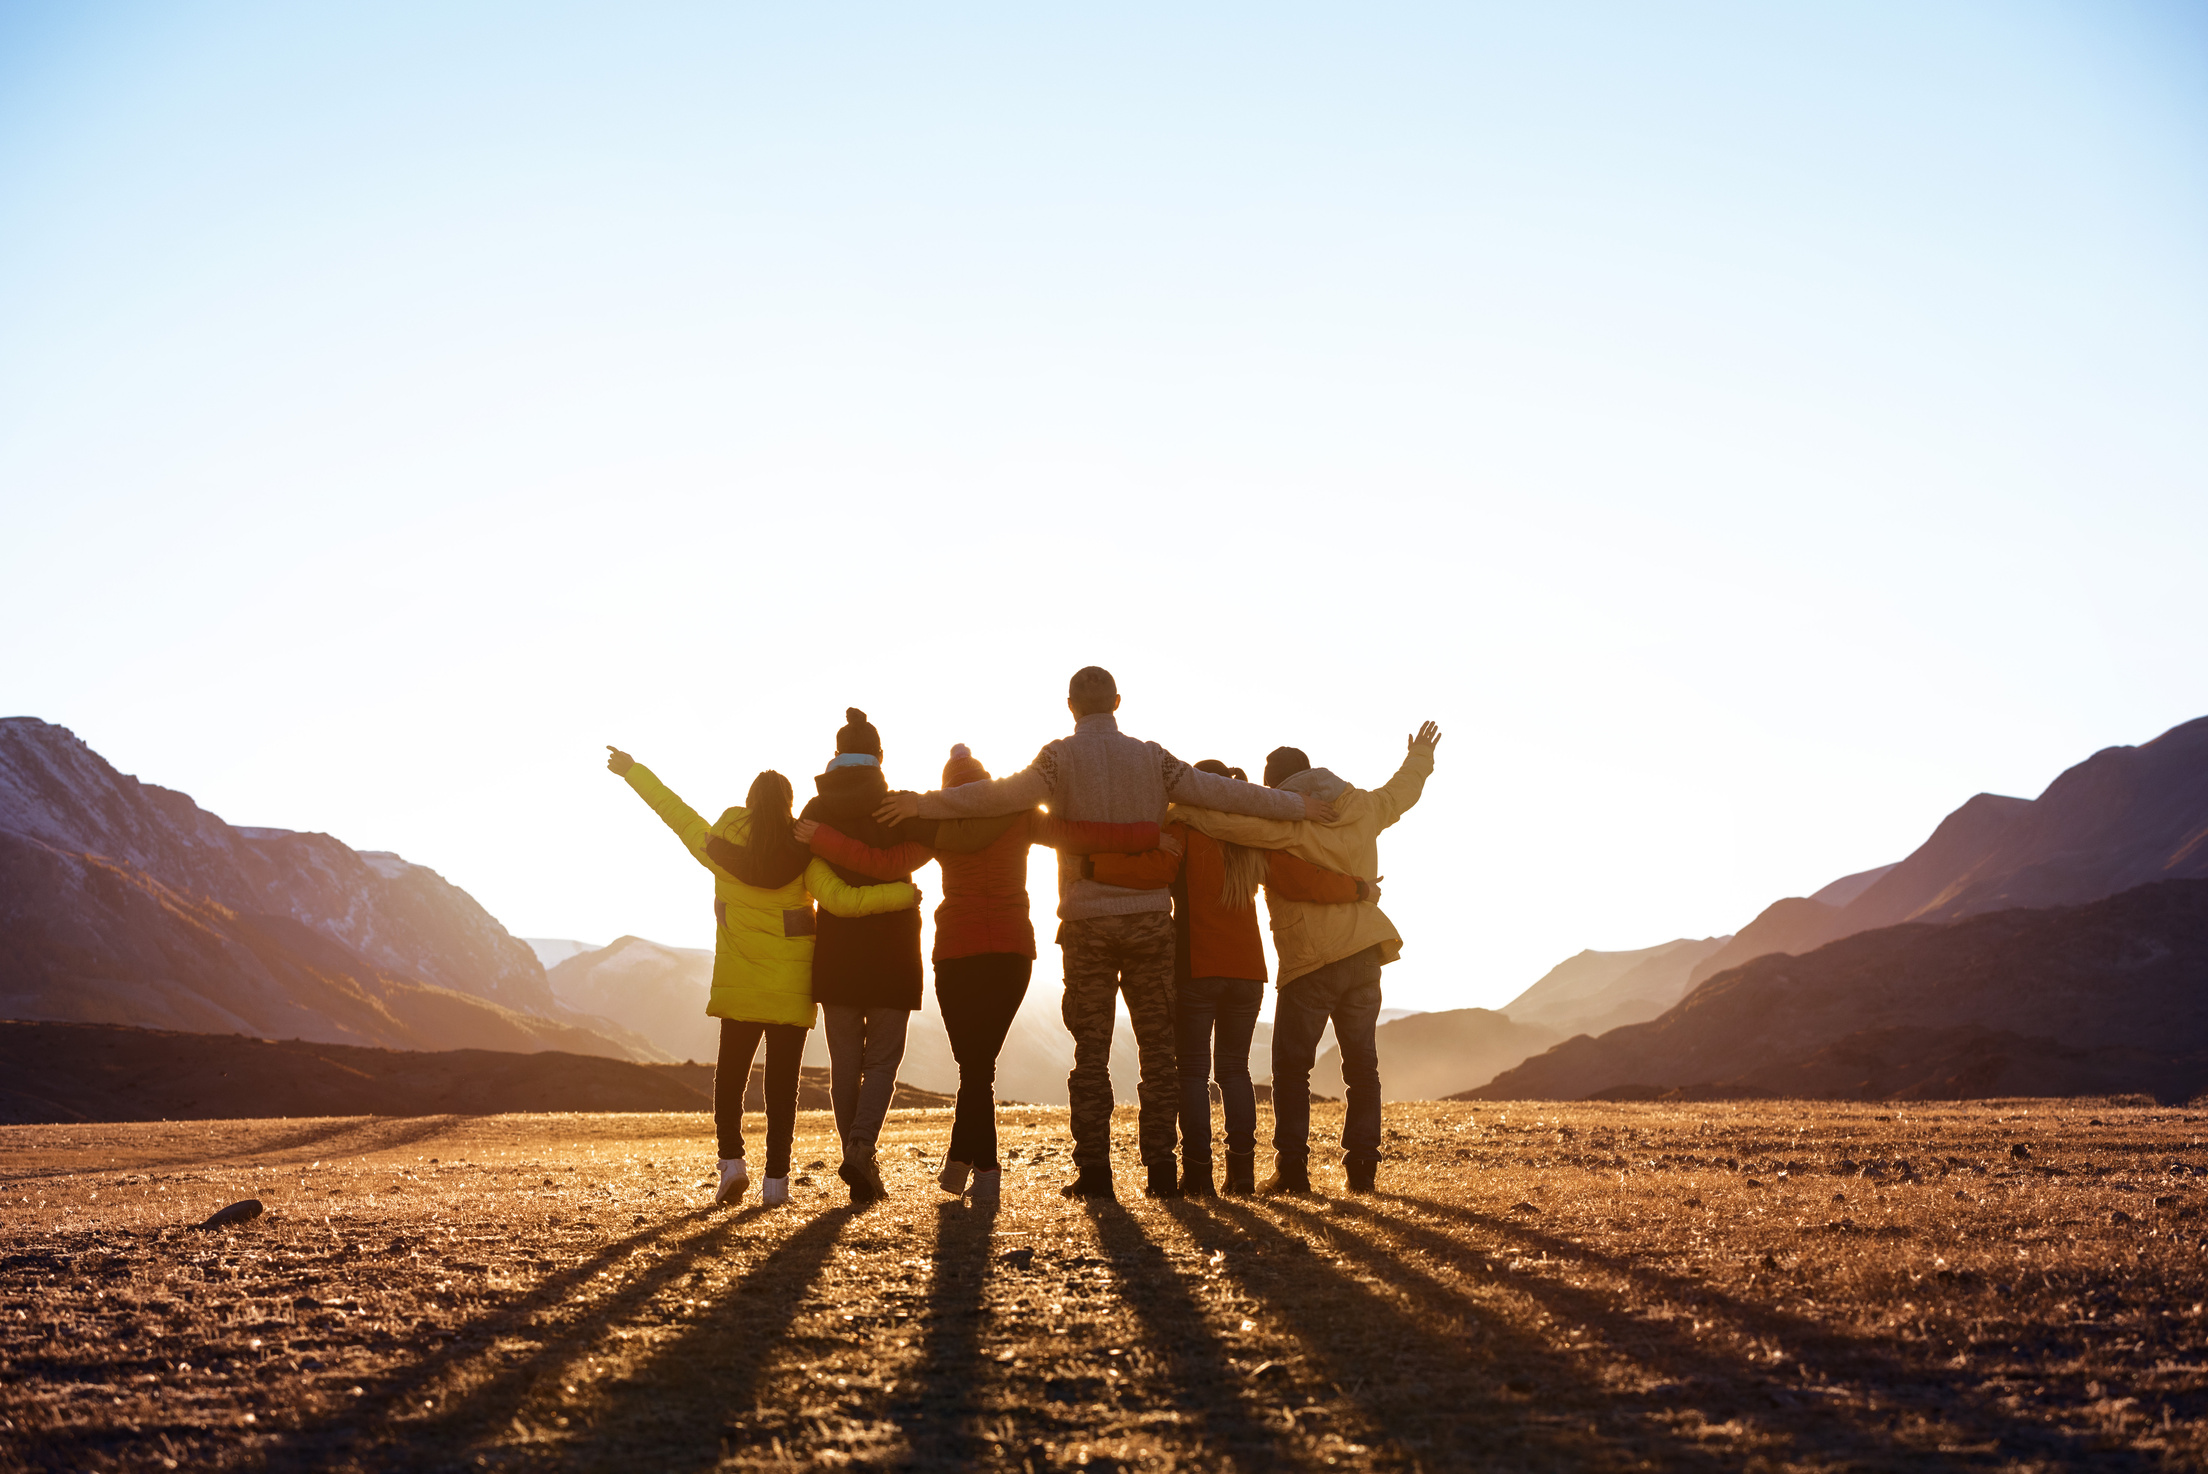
(1391, 798)
(1294, 879)
(688, 825)
(840, 899)
(889, 864)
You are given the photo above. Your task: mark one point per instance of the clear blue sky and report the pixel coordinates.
(1749, 430)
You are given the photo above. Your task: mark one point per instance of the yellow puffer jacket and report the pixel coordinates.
(1310, 934)
(763, 939)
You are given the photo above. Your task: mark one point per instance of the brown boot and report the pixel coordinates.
(1241, 1173)
(1196, 1179)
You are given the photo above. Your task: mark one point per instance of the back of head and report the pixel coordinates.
(772, 857)
(1092, 690)
(1284, 762)
(963, 768)
(857, 734)
(1219, 769)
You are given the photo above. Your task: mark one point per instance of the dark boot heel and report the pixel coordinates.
(1241, 1173)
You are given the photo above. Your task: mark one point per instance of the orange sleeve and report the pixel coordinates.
(892, 864)
(1300, 880)
(1149, 871)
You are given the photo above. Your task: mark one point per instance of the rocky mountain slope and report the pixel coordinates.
(125, 902)
(2110, 996)
(653, 990)
(2122, 818)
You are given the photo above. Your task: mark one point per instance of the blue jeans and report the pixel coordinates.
(1230, 1006)
(1348, 993)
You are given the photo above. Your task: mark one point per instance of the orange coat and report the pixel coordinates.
(1219, 941)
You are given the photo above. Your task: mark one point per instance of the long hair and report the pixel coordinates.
(1245, 867)
(772, 857)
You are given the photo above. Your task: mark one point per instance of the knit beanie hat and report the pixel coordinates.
(857, 733)
(963, 768)
(1284, 762)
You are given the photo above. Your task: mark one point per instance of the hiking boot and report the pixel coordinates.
(988, 1185)
(1162, 1183)
(1288, 1177)
(1094, 1182)
(735, 1180)
(953, 1177)
(1196, 1180)
(1242, 1173)
(1361, 1175)
(774, 1192)
(861, 1175)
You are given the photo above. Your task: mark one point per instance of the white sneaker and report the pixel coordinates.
(953, 1177)
(988, 1186)
(775, 1191)
(735, 1178)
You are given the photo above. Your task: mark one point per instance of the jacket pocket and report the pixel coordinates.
(797, 921)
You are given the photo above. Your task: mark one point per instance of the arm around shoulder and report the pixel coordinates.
(839, 899)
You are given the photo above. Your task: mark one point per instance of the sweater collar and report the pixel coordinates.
(1097, 721)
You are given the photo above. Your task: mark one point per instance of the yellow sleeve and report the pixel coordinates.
(1243, 829)
(1391, 798)
(689, 827)
(840, 899)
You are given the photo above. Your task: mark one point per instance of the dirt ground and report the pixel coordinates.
(1774, 1285)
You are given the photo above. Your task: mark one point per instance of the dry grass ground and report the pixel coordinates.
(1536, 1287)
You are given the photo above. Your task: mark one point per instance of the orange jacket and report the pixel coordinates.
(1218, 941)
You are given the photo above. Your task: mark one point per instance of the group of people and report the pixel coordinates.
(1159, 865)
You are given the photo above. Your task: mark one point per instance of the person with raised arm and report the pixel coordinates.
(1331, 953)
(984, 942)
(764, 887)
(1219, 972)
(1115, 940)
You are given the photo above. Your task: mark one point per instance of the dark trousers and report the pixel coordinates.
(1213, 1019)
(785, 1048)
(1348, 993)
(979, 996)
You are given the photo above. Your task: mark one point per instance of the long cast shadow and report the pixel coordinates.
(672, 1411)
(1834, 1353)
(1399, 1369)
(339, 1438)
(1205, 1384)
(938, 1414)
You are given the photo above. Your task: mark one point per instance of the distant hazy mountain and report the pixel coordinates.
(2122, 818)
(552, 951)
(1426, 1056)
(653, 990)
(1595, 991)
(123, 902)
(2110, 996)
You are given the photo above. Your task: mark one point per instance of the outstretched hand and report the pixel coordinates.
(898, 807)
(804, 830)
(618, 761)
(1427, 736)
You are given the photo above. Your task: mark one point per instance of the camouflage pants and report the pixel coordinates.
(1106, 956)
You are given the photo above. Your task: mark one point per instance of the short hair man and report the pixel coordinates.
(1330, 953)
(1115, 940)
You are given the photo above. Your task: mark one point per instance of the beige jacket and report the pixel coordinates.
(1309, 934)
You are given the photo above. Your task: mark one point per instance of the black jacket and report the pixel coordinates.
(864, 961)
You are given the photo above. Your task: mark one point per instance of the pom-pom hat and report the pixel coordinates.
(963, 768)
(857, 733)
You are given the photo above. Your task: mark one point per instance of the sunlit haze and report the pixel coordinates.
(1747, 430)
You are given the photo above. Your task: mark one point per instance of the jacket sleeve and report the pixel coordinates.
(867, 860)
(1079, 838)
(1258, 834)
(1391, 798)
(1152, 870)
(688, 825)
(1184, 784)
(856, 900)
(970, 836)
(1294, 879)
(1025, 789)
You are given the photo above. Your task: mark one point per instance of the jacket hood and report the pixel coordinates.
(1317, 783)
